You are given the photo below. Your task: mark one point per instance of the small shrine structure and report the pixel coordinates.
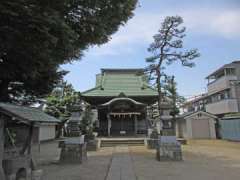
(18, 131)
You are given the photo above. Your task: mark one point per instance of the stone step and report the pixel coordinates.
(112, 143)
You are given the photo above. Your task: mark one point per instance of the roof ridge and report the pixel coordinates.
(26, 113)
(148, 86)
(90, 89)
(21, 106)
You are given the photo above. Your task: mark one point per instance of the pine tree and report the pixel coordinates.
(170, 88)
(166, 49)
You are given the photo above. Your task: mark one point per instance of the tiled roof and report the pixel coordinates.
(114, 82)
(27, 113)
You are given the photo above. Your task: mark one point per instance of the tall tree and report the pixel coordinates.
(86, 125)
(166, 49)
(170, 88)
(38, 36)
(60, 102)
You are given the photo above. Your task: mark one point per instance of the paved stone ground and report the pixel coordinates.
(95, 168)
(208, 160)
(121, 167)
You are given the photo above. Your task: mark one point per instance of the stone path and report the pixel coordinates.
(121, 167)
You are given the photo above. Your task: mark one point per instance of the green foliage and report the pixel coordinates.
(86, 125)
(170, 89)
(168, 44)
(38, 36)
(166, 49)
(60, 101)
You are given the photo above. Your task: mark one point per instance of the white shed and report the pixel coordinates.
(47, 131)
(196, 125)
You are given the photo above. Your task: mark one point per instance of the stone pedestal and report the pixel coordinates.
(73, 152)
(169, 152)
(92, 145)
(169, 149)
(152, 143)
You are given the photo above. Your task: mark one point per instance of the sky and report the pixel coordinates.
(213, 27)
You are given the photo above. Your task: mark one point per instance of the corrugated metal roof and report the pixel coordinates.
(112, 83)
(27, 113)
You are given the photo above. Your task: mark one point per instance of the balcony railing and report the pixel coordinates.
(223, 106)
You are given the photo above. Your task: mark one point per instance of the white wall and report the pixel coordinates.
(221, 83)
(186, 126)
(223, 106)
(211, 123)
(47, 132)
(181, 129)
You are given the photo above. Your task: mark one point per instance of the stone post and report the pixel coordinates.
(109, 124)
(135, 124)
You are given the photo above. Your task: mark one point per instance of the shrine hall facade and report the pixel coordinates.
(121, 97)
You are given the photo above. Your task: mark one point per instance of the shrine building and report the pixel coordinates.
(121, 97)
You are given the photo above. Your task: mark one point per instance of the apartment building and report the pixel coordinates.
(223, 92)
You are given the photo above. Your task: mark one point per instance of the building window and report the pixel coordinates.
(230, 71)
(222, 96)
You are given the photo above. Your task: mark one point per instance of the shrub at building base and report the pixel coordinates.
(91, 141)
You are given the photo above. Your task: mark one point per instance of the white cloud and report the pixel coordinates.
(228, 24)
(223, 23)
(141, 28)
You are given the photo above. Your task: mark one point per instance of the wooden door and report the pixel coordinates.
(122, 124)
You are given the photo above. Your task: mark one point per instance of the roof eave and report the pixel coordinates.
(193, 113)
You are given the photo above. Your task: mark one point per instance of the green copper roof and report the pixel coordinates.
(113, 82)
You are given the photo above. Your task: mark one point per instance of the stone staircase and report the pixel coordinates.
(111, 142)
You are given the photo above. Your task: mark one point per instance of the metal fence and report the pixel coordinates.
(230, 129)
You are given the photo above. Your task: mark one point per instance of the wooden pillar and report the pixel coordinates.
(135, 124)
(109, 124)
(28, 146)
(2, 175)
(28, 142)
(30, 153)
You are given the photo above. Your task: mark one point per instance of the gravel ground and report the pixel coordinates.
(208, 160)
(203, 159)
